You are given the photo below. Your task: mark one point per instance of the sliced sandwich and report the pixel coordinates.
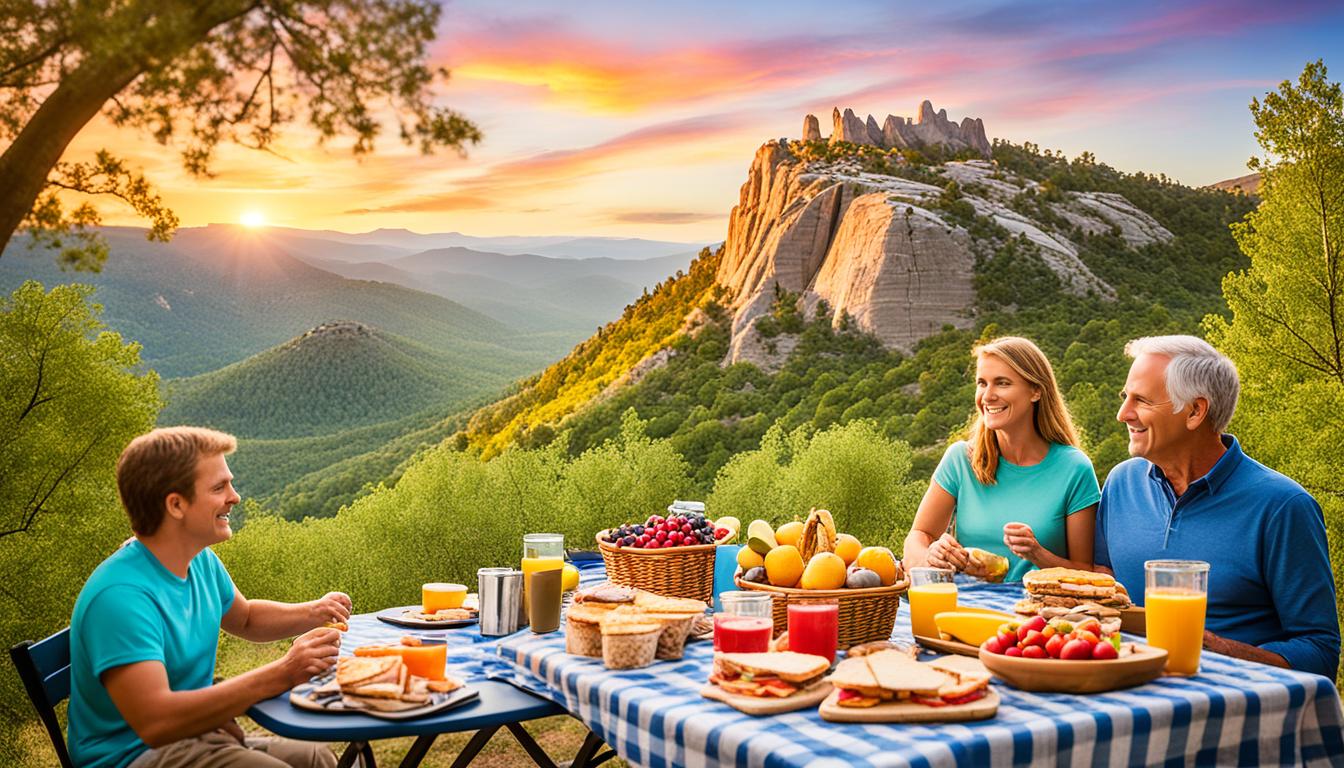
(1069, 588)
(775, 675)
(891, 676)
(380, 682)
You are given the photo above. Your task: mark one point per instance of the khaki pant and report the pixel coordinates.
(218, 749)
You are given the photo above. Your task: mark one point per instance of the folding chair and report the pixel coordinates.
(44, 667)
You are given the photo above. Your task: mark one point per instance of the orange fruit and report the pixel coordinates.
(847, 547)
(826, 570)
(789, 533)
(879, 560)
(749, 558)
(784, 566)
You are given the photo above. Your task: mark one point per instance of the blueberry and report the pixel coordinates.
(639, 530)
(628, 540)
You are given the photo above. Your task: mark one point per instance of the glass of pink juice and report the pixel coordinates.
(814, 627)
(742, 634)
(746, 623)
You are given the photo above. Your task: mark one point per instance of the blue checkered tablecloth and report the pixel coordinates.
(1233, 712)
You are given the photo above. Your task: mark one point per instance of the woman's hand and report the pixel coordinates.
(1021, 540)
(947, 552)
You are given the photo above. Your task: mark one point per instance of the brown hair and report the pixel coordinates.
(1049, 414)
(162, 462)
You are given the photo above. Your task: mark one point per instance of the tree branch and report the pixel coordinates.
(31, 514)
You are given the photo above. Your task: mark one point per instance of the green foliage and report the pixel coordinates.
(1286, 329)
(853, 470)
(71, 397)
(647, 326)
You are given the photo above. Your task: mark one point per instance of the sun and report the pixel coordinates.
(252, 219)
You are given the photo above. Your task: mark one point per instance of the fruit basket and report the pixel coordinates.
(866, 615)
(674, 571)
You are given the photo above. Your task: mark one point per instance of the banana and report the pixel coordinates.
(827, 524)
(807, 544)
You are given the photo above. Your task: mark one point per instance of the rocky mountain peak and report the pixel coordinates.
(929, 128)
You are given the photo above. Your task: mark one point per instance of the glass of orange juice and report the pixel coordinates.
(1175, 596)
(543, 570)
(437, 596)
(931, 592)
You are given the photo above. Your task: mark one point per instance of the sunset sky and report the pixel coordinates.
(606, 118)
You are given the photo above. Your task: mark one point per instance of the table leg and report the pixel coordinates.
(416, 754)
(530, 744)
(587, 756)
(357, 749)
(474, 746)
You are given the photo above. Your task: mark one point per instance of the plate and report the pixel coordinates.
(1059, 676)
(909, 712)
(947, 646)
(394, 616)
(307, 696)
(759, 705)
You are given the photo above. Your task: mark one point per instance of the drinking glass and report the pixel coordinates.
(437, 596)
(746, 622)
(1175, 596)
(931, 592)
(814, 627)
(543, 574)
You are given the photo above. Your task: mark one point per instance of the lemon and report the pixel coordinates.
(749, 558)
(569, 579)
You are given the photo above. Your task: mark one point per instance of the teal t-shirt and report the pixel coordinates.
(1041, 496)
(134, 609)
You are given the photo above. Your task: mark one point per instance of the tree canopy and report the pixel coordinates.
(197, 74)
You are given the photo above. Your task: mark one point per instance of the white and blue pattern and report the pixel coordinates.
(1233, 712)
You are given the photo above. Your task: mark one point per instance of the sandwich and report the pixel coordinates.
(986, 565)
(1069, 588)
(339, 626)
(385, 683)
(776, 675)
(890, 676)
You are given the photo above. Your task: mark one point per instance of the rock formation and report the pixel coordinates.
(930, 128)
(811, 129)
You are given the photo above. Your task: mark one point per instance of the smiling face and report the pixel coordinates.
(1155, 432)
(205, 518)
(1005, 400)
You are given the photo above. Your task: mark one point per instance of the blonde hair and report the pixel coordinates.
(160, 463)
(1049, 414)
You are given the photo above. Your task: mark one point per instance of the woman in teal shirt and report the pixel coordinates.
(1019, 486)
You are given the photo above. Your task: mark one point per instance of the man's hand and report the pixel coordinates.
(331, 608)
(1021, 541)
(947, 552)
(235, 730)
(312, 653)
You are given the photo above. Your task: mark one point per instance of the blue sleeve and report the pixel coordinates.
(1101, 556)
(1083, 489)
(948, 473)
(1297, 572)
(223, 581)
(121, 625)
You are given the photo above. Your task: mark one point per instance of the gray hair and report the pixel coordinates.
(1196, 370)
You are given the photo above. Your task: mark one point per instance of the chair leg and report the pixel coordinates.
(352, 752)
(584, 758)
(530, 744)
(473, 747)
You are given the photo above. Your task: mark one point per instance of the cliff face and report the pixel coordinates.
(884, 249)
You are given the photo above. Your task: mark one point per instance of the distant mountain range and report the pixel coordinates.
(560, 247)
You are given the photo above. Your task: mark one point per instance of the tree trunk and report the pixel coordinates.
(25, 164)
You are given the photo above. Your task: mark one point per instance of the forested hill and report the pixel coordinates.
(828, 372)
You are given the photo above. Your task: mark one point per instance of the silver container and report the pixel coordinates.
(501, 598)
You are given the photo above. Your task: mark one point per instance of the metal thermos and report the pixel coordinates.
(501, 597)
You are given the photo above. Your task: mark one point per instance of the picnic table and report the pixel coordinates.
(1233, 712)
(500, 705)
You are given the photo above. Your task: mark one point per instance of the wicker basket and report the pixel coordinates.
(866, 615)
(675, 572)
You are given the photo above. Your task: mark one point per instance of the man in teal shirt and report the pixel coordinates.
(146, 625)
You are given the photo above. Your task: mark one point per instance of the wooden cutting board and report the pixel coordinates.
(754, 705)
(906, 712)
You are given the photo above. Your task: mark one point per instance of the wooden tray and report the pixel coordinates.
(948, 646)
(755, 705)
(1134, 621)
(907, 712)
(1059, 676)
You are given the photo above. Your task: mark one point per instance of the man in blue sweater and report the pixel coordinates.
(1190, 493)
